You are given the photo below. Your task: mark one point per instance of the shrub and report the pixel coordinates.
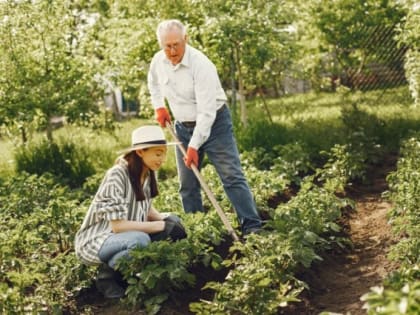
(260, 133)
(67, 161)
(362, 131)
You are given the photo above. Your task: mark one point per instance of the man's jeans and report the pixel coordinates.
(223, 153)
(119, 245)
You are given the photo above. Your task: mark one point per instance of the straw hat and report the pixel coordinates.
(146, 137)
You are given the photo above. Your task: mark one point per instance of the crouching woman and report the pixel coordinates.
(121, 216)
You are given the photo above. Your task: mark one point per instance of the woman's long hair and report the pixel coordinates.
(135, 167)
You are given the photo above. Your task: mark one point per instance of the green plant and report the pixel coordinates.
(404, 190)
(155, 272)
(255, 134)
(393, 301)
(261, 278)
(293, 161)
(343, 165)
(67, 161)
(259, 282)
(39, 269)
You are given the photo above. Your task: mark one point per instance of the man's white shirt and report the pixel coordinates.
(192, 89)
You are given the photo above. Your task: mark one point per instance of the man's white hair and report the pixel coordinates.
(168, 25)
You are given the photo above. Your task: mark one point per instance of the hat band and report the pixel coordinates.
(151, 142)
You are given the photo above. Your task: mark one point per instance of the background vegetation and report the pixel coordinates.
(321, 91)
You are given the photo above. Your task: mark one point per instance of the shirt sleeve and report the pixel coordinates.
(156, 95)
(205, 87)
(110, 200)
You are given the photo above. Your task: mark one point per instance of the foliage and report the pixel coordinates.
(67, 161)
(254, 42)
(255, 135)
(348, 162)
(343, 27)
(39, 270)
(409, 36)
(292, 160)
(155, 272)
(342, 166)
(41, 69)
(404, 185)
(261, 279)
(394, 300)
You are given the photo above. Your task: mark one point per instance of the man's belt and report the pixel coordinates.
(191, 124)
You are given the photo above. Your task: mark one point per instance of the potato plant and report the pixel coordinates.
(154, 272)
(262, 276)
(39, 271)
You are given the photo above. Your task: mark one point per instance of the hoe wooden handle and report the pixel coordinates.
(205, 187)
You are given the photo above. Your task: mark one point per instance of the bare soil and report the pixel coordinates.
(337, 283)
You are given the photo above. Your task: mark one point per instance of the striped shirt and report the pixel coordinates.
(114, 200)
(192, 89)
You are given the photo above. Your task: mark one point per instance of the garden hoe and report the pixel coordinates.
(205, 187)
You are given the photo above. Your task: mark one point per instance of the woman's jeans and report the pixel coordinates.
(223, 153)
(119, 245)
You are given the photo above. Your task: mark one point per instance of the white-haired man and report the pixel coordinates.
(188, 81)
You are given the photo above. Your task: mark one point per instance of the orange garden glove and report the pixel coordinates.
(191, 158)
(162, 116)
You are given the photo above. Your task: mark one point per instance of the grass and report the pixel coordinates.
(104, 146)
(317, 118)
(329, 105)
(6, 161)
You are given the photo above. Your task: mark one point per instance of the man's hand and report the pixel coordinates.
(162, 116)
(191, 158)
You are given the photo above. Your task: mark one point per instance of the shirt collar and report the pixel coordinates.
(185, 61)
(186, 58)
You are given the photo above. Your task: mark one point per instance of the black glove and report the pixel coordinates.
(172, 218)
(173, 229)
(176, 231)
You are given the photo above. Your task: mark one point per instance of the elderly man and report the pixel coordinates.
(188, 81)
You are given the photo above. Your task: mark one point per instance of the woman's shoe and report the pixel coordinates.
(107, 282)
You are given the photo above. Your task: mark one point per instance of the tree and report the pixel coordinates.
(410, 36)
(42, 72)
(250, 42)
(354, 33)
(125, 40)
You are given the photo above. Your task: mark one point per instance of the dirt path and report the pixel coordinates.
(341, 279)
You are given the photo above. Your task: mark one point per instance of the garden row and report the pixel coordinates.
(400, 292)
(40, 216)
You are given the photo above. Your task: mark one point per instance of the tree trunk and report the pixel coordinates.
(23, 133)
(244, 115)
(49, 130)
(233, 83)
(115, 109)
(265, 105)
